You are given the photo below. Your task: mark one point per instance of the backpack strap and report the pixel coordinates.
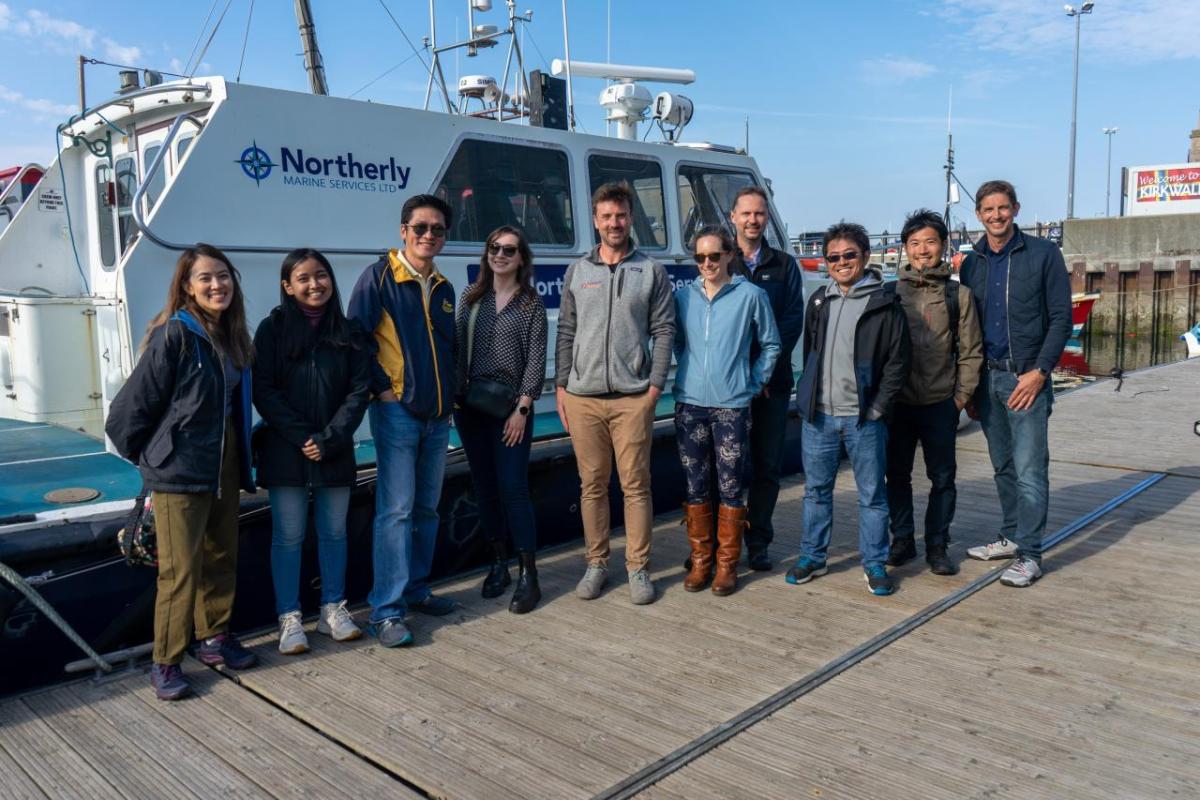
(953, 311)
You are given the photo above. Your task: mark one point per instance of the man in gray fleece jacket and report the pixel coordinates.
(609, 378)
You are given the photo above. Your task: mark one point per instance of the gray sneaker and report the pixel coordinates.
(641, 589)
(291, 634)
(1021, 572)
(393, 633)
(1001, 548)
(336, 622)
(592, 582)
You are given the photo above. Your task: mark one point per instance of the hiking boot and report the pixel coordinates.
(392, 632)
(878, 581)
(641, 588)
(434, 606)
(939, 560)
(805, 570)
(759, 560)
(903, 550)
(592, 582)
(225, 649)
(292, 640)
(168, 682)
(527, 594)
(1001, 548)
(1021, 572)
(335, 621)
(498, 578)
(698, 517)
(731, 522)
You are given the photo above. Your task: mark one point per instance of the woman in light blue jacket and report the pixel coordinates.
(717, 318)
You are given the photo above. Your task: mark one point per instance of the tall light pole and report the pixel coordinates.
(1077, 13)
(1108, 132)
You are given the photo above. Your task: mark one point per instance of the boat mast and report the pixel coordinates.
(312, 54)
(949, 160)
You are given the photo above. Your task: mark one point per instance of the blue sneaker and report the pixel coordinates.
(224, 649)
(878, 581)
(805, 570)
(392, 632)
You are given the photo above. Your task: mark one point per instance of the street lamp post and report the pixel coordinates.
(1108, 132)
(1077, 13)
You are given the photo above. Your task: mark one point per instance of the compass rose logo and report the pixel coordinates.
(256, 163)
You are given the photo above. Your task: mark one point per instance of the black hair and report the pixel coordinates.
(851, 231)
(919, 220)
(426, 201)
(728, 244)
(298, 336)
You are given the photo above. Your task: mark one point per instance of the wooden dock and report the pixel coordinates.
(1086, 685)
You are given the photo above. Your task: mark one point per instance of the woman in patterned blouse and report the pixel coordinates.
(501, 343)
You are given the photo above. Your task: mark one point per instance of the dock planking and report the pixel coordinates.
(1085, 682)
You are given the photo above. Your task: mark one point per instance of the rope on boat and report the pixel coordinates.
(41, 604)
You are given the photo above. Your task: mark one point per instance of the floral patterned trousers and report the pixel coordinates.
(708, 437)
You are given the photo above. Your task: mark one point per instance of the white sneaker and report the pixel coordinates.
(335, 621)
(291, 634)
(1021, 573)
(1001, 548)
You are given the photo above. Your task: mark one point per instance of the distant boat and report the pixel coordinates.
(1081, 309)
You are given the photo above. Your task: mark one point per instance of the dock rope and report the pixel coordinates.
(41, 604)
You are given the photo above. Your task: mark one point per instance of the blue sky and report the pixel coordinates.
(847, 101)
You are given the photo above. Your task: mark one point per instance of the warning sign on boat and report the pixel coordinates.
(50, 200)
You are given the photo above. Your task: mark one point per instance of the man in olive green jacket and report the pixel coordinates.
(947, 356)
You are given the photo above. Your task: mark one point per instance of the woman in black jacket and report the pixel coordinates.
(311, 375)
(184, 418)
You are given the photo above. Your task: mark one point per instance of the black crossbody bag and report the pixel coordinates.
(486, 396)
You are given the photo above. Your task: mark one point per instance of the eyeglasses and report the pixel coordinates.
(422, 228)
(849, 255)
(509, 250)
(713, 257)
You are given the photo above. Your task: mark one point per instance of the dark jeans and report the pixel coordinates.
(1020, 451)
(769, 417)
(708, 436)
(501, 477)
(934, 427)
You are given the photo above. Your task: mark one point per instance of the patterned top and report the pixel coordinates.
(509, 347)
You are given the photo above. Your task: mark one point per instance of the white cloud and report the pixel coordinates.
(121, 53)
(895, 70)
(1132, 31)
(175, 66)
(43, 25)
(64, 34)
(39, 106)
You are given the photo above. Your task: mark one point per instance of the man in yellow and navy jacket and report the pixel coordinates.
(407, 309)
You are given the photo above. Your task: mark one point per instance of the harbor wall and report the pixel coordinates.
(1147, 270)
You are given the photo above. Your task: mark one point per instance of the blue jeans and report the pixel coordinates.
(501, 477)
(289, 523)
(821, 449)
(410, 454)
(1019, 448)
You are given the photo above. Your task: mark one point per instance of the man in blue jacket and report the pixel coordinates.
(1023, 296)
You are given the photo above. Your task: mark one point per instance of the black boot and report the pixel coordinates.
(527, 594)
(497, 579)
(903, 550)
(940, 562)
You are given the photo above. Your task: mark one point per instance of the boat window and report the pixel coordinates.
(644, 176)
(489, 184)
(104, 216)
(155, 188)
(706, 198)
(182, 147)
(126, 187)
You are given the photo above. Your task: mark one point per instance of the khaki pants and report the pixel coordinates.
(197, 536)
(601, 427)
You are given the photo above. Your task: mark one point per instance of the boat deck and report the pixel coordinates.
(1082, 686)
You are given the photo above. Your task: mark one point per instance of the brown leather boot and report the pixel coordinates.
(731, 522)
(699, 520)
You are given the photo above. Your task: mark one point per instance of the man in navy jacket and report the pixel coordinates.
(1023, 296)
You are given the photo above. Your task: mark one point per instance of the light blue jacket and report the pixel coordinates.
(712, 344)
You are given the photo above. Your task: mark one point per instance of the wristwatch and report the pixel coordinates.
(1044, 373)
(524, 410)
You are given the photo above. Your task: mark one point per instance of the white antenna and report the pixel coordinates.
(567, 51)
(625, 100)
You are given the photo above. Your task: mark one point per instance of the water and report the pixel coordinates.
(1098, 354)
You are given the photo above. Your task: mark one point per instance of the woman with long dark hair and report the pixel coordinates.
(311, 386)
(184, 418)
(501, 350)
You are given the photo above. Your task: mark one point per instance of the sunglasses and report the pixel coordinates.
(422, 228)
(849, 255)
(509, 250)
(713, 257)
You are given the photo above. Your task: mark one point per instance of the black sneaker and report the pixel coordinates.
(434, 606)
(805, 570)
(168, 682)
(878, 581)
(903, 550)
(759, 560)
(939, 561)
(225, 649)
